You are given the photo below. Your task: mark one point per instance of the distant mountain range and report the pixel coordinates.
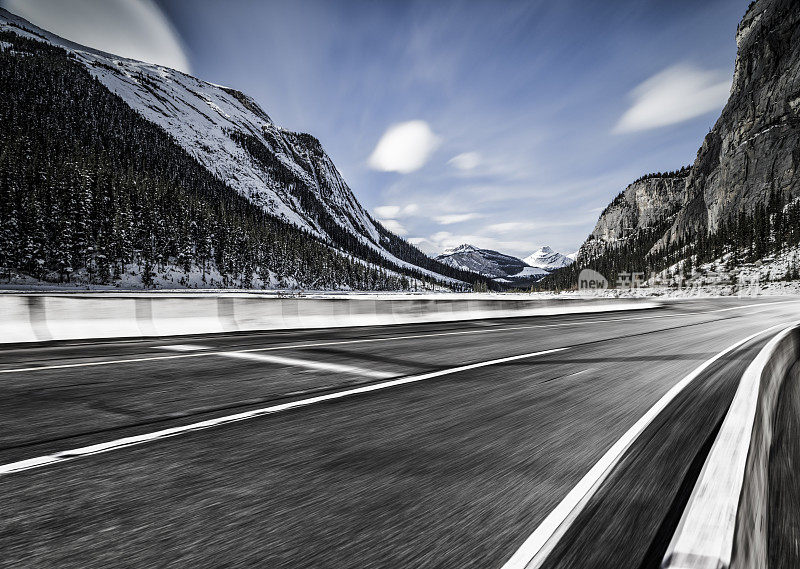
(115, 171)
(503, 268)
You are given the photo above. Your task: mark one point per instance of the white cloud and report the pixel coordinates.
(465, 161)
(394, 226)
(677, 94)
(387, 211)
(456, 218)
(131, 28)
(404, 147)
(509, 226)
(410, 209)
(425, 246)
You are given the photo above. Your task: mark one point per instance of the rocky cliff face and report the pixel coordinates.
(754, 148)
(752, 151)
(646, 204)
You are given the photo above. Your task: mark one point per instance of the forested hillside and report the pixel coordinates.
(90, 190)
(744, 238)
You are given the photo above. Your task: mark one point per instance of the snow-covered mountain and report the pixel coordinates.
(286, 174)
(547, 259)
(227, 132)
(483, 261)
(501, 267)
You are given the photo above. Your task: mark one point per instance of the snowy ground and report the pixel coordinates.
(790, 288)
(771, 276)
(767, 277)
(172, 278)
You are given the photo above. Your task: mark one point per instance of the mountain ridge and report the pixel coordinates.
(286, 175)
(483, 261)
(503, 268)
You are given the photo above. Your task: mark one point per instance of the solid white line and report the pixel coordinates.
(705, 534)
(62, 456)
(323, 366)
(533, 552)
(388, 339)
(762, 305)
(105, 362)
(182, 348)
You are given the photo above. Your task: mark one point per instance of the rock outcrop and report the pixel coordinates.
(754, 147)
(647, 204)
(752, 151)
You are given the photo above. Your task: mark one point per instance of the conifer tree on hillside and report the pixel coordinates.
(749, 235)
(88, 187)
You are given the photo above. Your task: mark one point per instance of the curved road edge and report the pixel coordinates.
(533, 553)
(725, 522)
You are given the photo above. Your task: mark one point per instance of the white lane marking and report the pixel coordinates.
(705, 533)
(762, 305)
(182, 348)
(105, 363)
(567, 375)
(388, 339)
(323, 366)
(578, 372)
(533, 552)
(62, 456)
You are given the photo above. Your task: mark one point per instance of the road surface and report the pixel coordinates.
(491, 425)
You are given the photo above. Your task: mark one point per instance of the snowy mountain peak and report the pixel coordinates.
(483, 261)
(503, 268)
(463, 248)
(546, 258)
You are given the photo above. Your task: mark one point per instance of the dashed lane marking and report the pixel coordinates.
(309, 364)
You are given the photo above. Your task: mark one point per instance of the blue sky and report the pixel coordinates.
(505, 124)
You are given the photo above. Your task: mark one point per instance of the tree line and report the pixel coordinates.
(751, 233)
(89, 187)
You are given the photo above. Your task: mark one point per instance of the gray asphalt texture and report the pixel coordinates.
(784, 491)
(454, 471)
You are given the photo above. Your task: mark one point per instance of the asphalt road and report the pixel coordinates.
(784, 492)
(454, 470)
